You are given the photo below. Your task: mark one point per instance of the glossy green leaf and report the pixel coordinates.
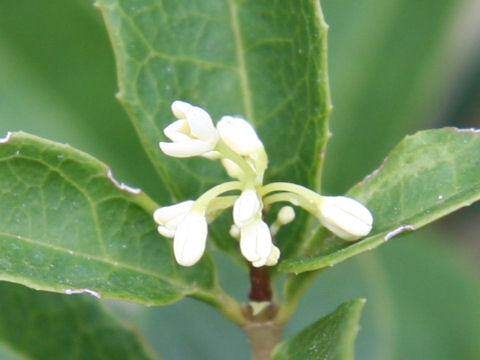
(263, 60)
(427, 176)
(44, 326)
(67, 225)
(329, 338)
(390, 68)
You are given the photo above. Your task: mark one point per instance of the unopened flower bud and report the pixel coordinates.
(233, 170)
(234, 231)
(190, 239)
(345, 217)
(239, 135)
(246, 207)
(256, 242)
(286, 215)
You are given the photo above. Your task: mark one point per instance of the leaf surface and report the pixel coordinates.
(43, 326)
(262, 60)
(427, 176)
(67, 225)
(329, 338)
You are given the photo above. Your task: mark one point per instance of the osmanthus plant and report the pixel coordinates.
(247, 84)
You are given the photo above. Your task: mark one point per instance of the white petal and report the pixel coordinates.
(255, 241)
(165, 231)
(239, 135)
(345, 217)
(246, 207)
(166, 214)
(248, 243)
(264, 240)
(212, 155)
(201, 125)
(194, 122)
(233, 170)
(180, 109)
(184, 149)
(178, 131)
(273, 257)
(259, 263)
(190, 239)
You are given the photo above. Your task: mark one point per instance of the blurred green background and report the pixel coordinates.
(395, 67)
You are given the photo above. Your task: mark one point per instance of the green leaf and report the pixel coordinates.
(390, 68)
(427, 176)
(66, 225)
(44, 326)
(329, 338)
(263, 60)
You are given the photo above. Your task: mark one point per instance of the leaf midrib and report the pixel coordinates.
(241, 63)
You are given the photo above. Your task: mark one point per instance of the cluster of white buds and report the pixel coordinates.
(236, 144)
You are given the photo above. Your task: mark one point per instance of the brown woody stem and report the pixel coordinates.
(260, 287)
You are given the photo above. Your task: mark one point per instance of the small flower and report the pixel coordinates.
(168, 217)
(192, 135)
(239, 135)
(345, 217)
(256, 243)
(190, 239)
(246, 207)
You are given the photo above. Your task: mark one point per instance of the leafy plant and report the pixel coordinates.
(68, 226)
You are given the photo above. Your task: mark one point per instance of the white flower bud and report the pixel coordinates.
(212, 155)
(233, 170)
(190, 239)
(239, 135)
(168, 217)
(345, 217)
(286, 215)
(272, 259)
(192, 135)
(234, 231)
(246, 207)
(256, 242)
